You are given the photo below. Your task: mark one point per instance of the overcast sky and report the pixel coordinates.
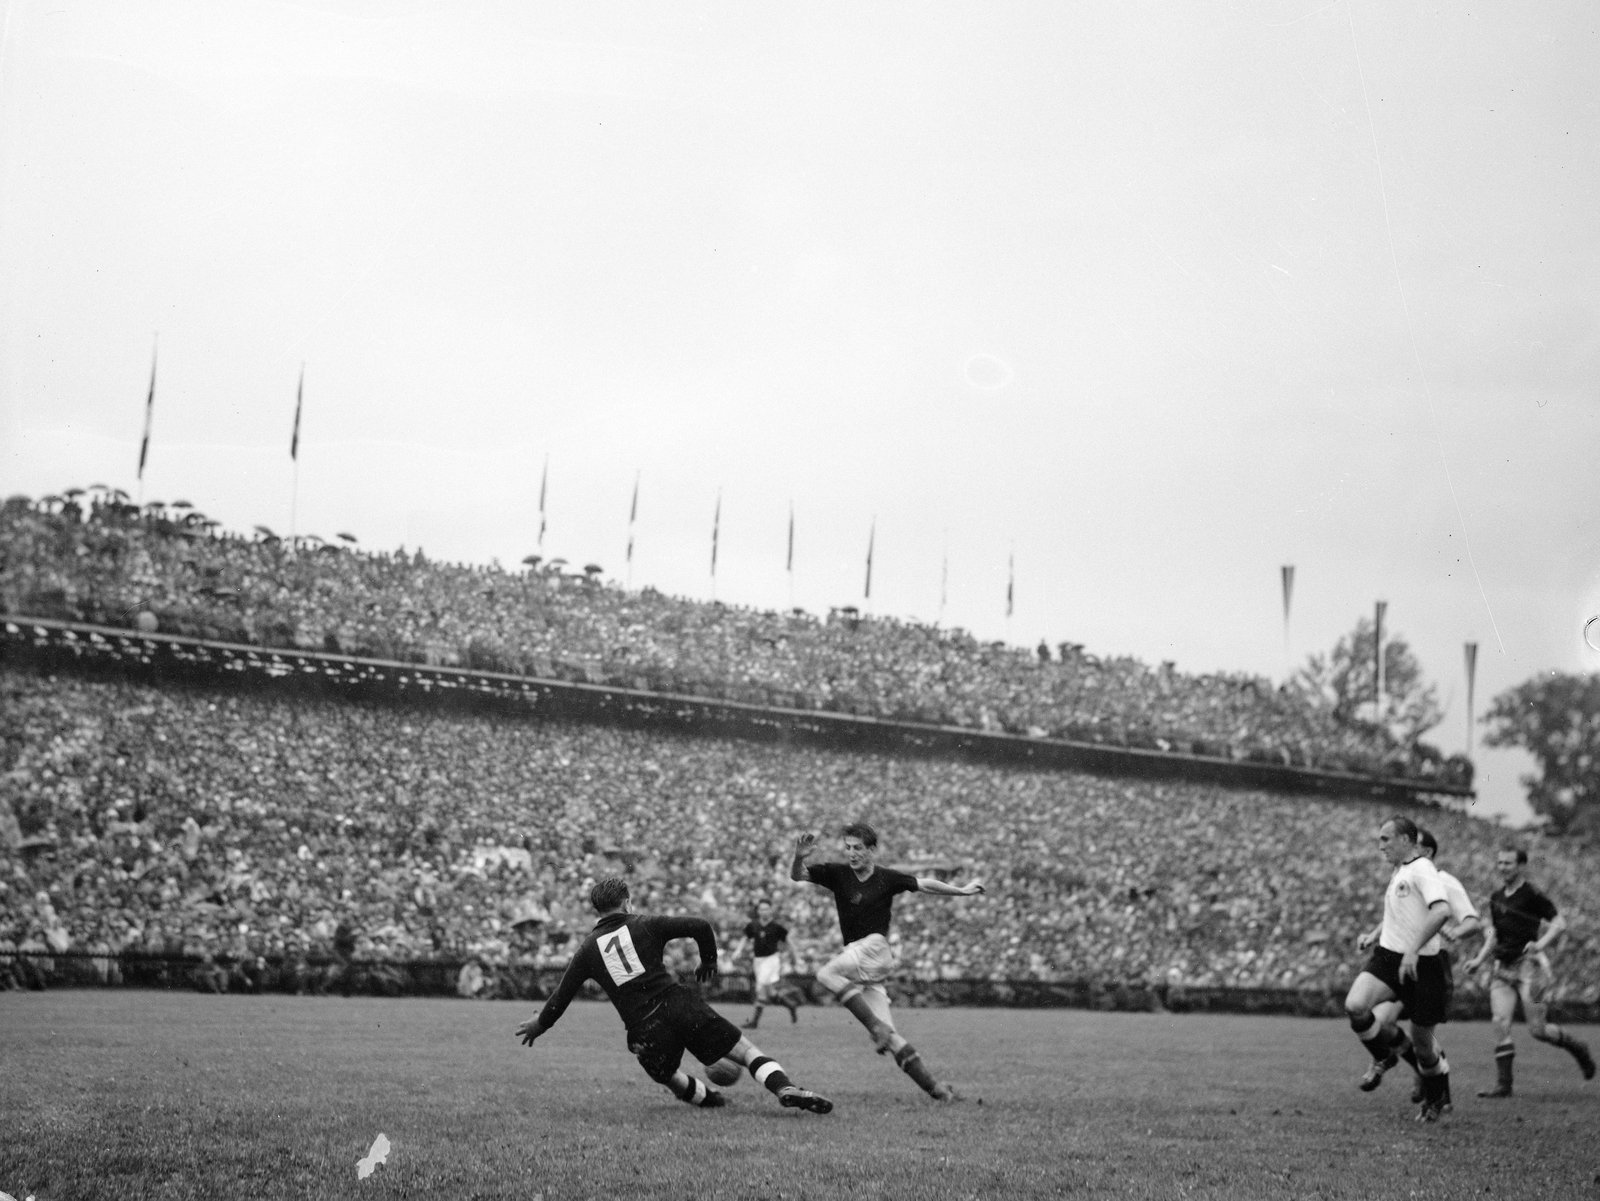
(1155, 298)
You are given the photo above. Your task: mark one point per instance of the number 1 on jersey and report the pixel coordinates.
(621, 957)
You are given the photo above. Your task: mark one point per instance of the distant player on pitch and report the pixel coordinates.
(1404, 966)
(769, 942)
(864, 893)
(662, 1017)
(1516, 910)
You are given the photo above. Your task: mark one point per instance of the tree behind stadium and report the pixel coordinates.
(1556, 718)
(1342, 682)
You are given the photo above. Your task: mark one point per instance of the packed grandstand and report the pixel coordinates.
(255, 826)
(206, 821)
(91, 556)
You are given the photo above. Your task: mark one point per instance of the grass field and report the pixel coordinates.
(122, 1094)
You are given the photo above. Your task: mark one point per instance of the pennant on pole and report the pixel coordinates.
(944, 576)
(299, 398)
(1377, 650)
(789, 564)
(1288, 592)
(543, 481)
(1011, 582)
(1472, 671)
(149, 410)
(633, 512)
(716, 527)
(872, 536)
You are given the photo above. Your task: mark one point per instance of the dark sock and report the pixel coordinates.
(1401, 1045)
(911, 1064)
(770, 1074)
(755, 1018)
(858, 1006)
(1377, 1046)
(1505, 1056)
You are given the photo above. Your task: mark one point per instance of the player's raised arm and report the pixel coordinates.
(804, 844)
(939, 888)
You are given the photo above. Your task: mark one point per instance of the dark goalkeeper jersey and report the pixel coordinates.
(863, 904)
(765, 939)
(623, 952)
(1516, 919)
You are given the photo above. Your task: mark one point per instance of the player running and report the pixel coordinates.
(1404, 966)
(864, 893)
(769, 942)
(662, 1017)
(1516, 911)
(1464, 920)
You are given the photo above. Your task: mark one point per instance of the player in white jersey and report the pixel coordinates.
(1464, 920)
(1404, 966)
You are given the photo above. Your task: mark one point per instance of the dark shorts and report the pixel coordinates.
(681, 1022)
(1427, 997)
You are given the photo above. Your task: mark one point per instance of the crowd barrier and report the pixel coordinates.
(328, 976)
(49, 644)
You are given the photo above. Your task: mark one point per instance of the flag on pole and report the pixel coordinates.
(1011, 582)
(716, 527)
(872, 535)
(149, 410)
(1377, 650)
(789, 564)
(633, 512)
(1288, 592)
(1472, 671)
(299, 398)
(944, 576)
(543, 481)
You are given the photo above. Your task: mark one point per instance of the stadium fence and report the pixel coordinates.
(325, 975)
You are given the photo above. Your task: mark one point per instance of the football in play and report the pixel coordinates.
(725, 1072)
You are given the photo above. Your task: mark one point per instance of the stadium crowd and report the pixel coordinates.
(267, 830)
(93, 557)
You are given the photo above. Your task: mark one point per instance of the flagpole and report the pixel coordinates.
(1011, 584)
(1377, 651)
(944, 576)
(149, 410)
(294, 455)
(872, 537)
(1286, 572)
(789, 563)
(544, 480)
(633, 517)
(1472, 670)
(716, 526)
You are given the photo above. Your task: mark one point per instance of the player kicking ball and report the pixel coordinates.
(863, 893)
(662, 1017)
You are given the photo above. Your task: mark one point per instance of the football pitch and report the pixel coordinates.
(123, 1094)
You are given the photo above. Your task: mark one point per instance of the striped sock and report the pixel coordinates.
(769, 1073)
(694, 1092)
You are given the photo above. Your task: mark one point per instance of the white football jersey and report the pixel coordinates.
(1412, 890)
(1461, 906)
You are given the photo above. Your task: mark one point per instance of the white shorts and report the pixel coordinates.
(769, 970)
(869, 960)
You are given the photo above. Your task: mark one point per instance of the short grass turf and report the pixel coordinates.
(124, 1095)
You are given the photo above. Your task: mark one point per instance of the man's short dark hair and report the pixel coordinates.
(1522, 855)
(867, 835)
(1426, 839)
(1403, 825)
(608, 894)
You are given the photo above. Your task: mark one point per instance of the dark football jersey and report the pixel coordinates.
(623, 952)
(863, 904)
(1516, 919)
(766, 939)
